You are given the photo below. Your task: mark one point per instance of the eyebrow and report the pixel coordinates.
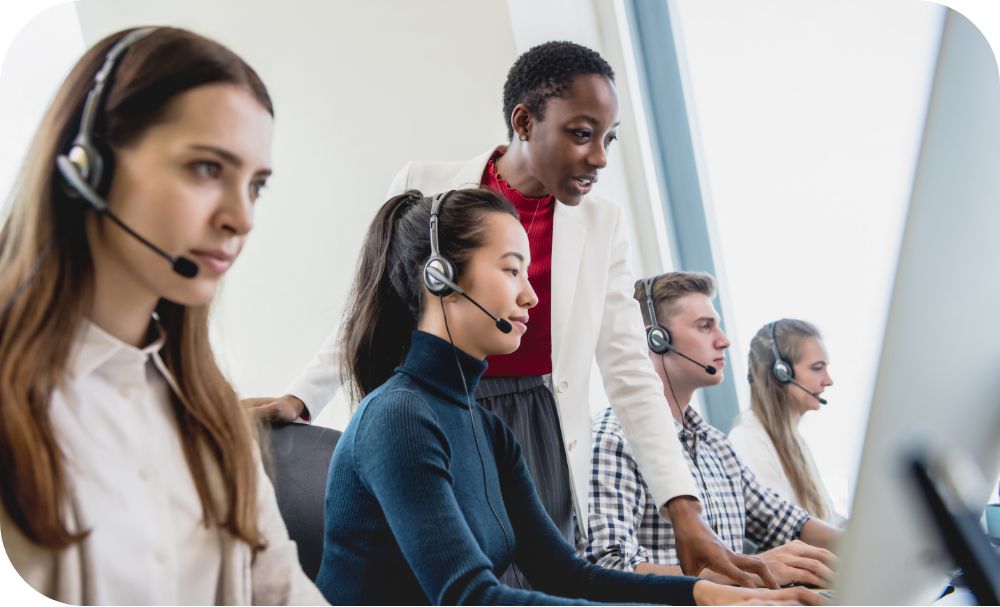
(513, 254)
(228, 156)
(708, 318)
(592, 120)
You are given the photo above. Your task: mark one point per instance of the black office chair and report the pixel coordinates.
(300, 460)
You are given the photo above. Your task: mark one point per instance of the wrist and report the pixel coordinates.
(301, 410)
(702, 592)
(681, 508)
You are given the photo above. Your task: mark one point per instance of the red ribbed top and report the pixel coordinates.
(534, 357)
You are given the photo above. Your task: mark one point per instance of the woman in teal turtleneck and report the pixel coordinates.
(429, 499)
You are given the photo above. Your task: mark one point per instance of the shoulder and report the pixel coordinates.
(393, 408)
(430, 176)
(718, 436)
(747, 430)
(608, 432)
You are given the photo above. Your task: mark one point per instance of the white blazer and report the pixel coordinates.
(593, 314)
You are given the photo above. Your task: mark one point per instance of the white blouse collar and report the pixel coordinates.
(95, 348)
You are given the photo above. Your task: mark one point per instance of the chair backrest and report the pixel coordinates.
(300, 456)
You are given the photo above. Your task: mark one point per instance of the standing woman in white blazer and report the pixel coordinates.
(561, 109)
(766, 437)
(128, 469)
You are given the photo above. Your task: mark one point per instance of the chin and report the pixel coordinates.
(508, 344)
(197, 292)
(571, 199)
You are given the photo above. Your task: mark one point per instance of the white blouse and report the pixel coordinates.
(130, 480)
(754, 447)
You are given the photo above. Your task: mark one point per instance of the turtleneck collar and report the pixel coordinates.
(431, 362)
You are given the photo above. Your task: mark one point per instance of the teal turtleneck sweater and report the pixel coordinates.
(408, 506)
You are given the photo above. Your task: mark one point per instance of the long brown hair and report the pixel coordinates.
(770, 402)
(43, 238)
(387, 294)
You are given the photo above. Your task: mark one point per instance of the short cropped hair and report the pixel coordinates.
(545, 71)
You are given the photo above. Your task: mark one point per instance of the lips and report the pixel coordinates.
(216, 260)
(521, 322)
(585, 181)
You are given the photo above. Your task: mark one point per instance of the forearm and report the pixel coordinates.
(819, 533)
(658, 569)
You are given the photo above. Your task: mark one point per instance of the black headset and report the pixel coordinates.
(439, 271)
(444, 282)
(87, 156)
(657, 336)
(783, 372)
(86, 167)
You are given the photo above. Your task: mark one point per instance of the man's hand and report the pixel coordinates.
(797, 561)
(698, 547)
(285, 409)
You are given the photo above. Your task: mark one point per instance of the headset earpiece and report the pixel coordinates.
(88, 163)
(446, 269)
(783, 372)
(437, 261)
(92, 163)
(657, 336)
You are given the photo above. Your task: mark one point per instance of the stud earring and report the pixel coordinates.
(522, 137)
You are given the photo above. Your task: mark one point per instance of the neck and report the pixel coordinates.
(433, 322)
(121, 306)
(514, 167)
(794, 417)
(682, 391)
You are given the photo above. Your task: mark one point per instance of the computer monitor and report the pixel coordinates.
(938, 386)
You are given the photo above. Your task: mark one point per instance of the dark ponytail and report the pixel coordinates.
(388, 293)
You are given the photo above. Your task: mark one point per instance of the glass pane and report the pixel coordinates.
(808, 117)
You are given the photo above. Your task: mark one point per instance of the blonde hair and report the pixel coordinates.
(770, 402)
(47, 276)
(668, 288)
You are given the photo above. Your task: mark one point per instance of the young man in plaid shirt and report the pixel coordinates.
(626, 531)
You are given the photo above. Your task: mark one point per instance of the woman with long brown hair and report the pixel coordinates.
(788, 372)
(129, 472)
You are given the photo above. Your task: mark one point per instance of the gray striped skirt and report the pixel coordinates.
(526, 405)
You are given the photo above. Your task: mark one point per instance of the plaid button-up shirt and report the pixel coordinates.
(625, 527)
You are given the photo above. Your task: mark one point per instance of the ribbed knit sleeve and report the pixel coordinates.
(552, 565)
(403, 458)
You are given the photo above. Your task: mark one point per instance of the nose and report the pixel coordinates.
(527, 298)
(236, 214)
(598, 157)
(723, 342)
(827, 380)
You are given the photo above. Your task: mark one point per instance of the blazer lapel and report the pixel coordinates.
(569, 233)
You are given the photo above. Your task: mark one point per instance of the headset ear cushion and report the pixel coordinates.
(783, 372)
(88, 163)
(658, 339)
(445, 268)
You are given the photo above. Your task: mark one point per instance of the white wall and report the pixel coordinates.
(354, 101)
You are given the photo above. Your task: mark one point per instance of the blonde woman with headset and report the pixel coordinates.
(789, 370)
